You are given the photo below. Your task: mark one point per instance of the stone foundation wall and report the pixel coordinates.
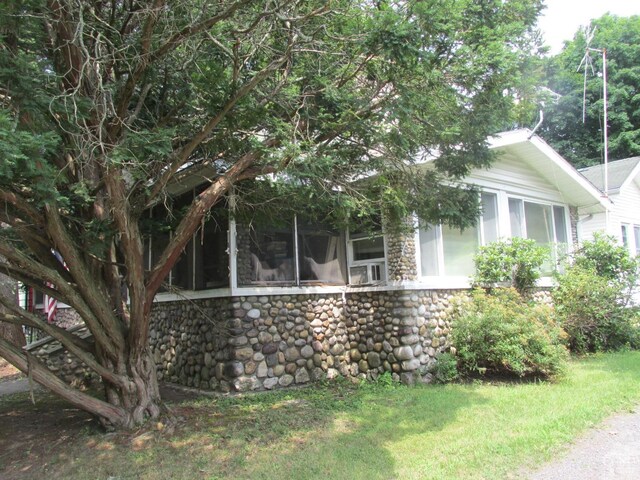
(265, 342)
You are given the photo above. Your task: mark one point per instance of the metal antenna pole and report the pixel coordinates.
(606, 137)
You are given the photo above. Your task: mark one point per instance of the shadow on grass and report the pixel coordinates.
(355, 438)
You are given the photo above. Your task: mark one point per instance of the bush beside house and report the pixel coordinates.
(593, 299)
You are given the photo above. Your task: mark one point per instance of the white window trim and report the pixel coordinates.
(442, 280)
(382, 261)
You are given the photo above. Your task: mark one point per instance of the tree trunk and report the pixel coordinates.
(9, 331)
(140, 398)
(12, 333)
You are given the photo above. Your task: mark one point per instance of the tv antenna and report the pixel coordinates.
(587, 64)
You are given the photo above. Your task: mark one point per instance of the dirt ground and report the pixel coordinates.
(8, 371)
(31, 435)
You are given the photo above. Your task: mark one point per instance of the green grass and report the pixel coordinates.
(474, 431)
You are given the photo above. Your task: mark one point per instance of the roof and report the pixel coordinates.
(547, 162)
(619, 172)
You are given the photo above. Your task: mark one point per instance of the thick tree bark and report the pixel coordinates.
(12, 333)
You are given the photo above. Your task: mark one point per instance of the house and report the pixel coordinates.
(252, 307)
(300, 301)
(623, 189)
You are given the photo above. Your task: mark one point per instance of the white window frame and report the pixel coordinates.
(442, 280)
(370, 263)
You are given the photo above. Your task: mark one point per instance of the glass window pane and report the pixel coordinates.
(428, 251)
(368, 248)
(559, 219)
(516, 217)
(489, 217)
(272, 256)
(625, 237)
(180, 275)
(636, 236)
(562, 243)
(212, 258)
(459, 250)
(538, 221)
(321, 256)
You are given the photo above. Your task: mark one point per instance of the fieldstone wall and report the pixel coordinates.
(266, 342)
(573, 218)
(401, 255)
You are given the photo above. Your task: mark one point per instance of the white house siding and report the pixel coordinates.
(626, 210)
(512, 174)
(590, 223)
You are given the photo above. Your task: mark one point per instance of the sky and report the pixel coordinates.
(562, 18)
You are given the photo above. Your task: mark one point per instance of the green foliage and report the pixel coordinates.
(446, 368)
(581, 143)
(592, 299)
(516, 261)
(608, 259)
(500, 333)
(109, 109)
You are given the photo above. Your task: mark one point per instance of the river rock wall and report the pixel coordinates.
(266, 342)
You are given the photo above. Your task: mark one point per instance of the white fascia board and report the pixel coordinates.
(568, 171)
(633, 176)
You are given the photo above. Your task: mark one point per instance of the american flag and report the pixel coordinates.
(50, 307)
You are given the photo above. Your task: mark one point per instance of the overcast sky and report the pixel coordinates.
(562, 18)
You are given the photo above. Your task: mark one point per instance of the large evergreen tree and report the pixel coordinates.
(582, 143)
(103, 102)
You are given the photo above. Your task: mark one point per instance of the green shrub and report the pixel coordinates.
(446, 368)
(608, 259)
(516, 262)
(593, 297)
(594, 311)
(501, 333)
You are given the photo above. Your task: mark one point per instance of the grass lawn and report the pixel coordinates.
(473, 431)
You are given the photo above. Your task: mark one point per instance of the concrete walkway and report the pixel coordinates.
(8, 387)
(609, 452)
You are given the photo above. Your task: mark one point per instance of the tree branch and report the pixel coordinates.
(183, 155)
(76, 345)
(45, 377)
(194, 216)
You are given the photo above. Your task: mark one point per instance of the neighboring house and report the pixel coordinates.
(260, 307)
(623, 221)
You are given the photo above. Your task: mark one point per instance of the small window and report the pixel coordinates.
(429, 251)
(625, 235)
(489, 218)
(636, 236)
(367, 248)
(367, 252)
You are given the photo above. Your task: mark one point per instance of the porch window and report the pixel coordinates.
(625, 235)
(449, 251)
(211, 259)
(321, 253)
(446, 251)
(271, 257)
(292, 254)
